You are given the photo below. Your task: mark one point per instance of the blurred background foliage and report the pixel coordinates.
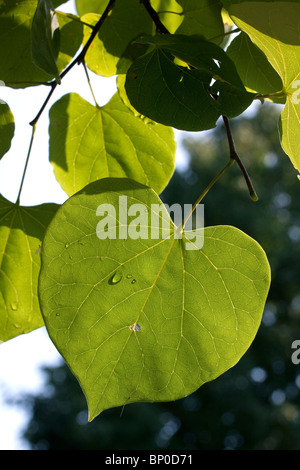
(256, 404)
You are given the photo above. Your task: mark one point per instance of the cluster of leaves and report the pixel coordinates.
(197, 310)
(239, 410)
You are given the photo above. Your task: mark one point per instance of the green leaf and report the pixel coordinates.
(168, 93)
(149, 319)
(16, 64)
(7, 128)
(88, 143)
(71, 37)
(21, 233)
(127, 21)
(191, 17)
(200, 54)
(228, 3)
(90, 6)
(45, 37)
(179, 96)
(274, 28)
(253, 67)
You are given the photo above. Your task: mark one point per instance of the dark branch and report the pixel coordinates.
(160, 28)
(234, 156)
(95, 31)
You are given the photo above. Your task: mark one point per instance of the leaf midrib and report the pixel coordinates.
(131, 332)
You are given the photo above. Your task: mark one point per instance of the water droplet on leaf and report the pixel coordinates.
(129, 276)
(117, 277)
(14, 306)
(133, 281)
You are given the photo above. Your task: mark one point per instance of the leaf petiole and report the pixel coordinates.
(26, 164)
(73, 17)
(203, 194)
(89, 82)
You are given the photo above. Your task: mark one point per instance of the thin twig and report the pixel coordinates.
(26, 164)
(231, 31)
(37, 117)
(73, 17)
(234, 156)
(89, 82)
(203, 194)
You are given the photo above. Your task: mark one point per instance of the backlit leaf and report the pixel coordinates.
(7, 128)
(88, 143)
(141, 318)
(191, 17)
(127, 21)
(274, 28)
(90, 6)
(253, 66)
(21, 233)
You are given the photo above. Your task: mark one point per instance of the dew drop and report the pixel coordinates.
(57, 314)
(135, 327)
(129, 276)
(66, 245)
(117, 277)
(133, 281)
(14, 306)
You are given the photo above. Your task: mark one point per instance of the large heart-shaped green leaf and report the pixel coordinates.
(7, 128)
(88, 143)
(21, 233)
(150, 317)
(179, 96)
(274, 28)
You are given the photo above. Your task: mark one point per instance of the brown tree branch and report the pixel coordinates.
(160, 28)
